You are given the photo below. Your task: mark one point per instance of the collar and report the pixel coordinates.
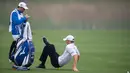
(70, 44)
(19, 11)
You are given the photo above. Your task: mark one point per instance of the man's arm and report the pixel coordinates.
(74, 67)
(16, 20)
(75, 55)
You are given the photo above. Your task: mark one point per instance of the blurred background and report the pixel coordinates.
(72, 14)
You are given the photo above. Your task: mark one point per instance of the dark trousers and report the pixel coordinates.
(49, 50)
(12, 50)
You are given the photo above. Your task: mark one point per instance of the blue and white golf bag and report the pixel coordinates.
(24, 55)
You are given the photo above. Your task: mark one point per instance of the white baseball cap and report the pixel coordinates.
(69, 37)
(23, 5)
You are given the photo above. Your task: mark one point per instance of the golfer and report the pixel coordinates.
(17, 23)
(57, 60)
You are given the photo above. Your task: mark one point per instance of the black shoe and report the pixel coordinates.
(41, 66)
(45, 41)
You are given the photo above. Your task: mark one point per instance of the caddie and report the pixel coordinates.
(17, 23)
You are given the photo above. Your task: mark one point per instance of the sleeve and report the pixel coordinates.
(78, 52)
(16, 20)
(71, 50)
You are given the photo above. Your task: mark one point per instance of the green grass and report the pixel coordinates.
(101, 51)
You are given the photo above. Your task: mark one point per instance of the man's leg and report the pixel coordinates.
(49, 49)
(12, 50)
(44, 54)
(53, 56)
(13, 47)
(43, 57)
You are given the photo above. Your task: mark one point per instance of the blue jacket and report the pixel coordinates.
(16, 23)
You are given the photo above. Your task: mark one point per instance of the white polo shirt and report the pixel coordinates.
(69, 52)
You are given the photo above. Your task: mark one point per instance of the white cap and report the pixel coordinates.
(23, 4)
(69, 37)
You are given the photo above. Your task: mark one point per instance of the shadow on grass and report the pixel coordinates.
(35, 69)
(59, 69)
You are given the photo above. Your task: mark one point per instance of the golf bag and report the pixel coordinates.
(24, 55)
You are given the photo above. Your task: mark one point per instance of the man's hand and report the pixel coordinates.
(27, 16)
(75, 69)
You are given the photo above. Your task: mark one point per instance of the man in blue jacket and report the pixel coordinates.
(17, 23)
